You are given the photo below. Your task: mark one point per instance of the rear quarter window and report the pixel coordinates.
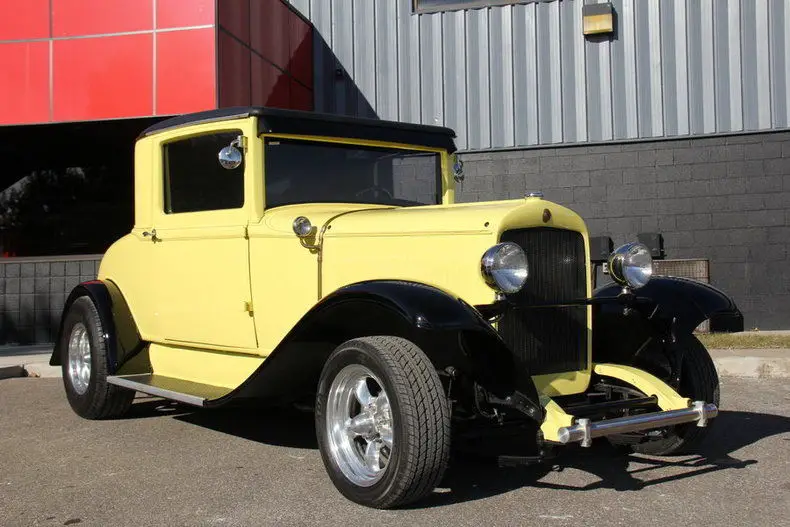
(193, 178)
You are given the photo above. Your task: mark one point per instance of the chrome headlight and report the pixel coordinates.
(504, 267)
(631, 265)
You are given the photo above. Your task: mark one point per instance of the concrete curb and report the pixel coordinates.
(27, 361)
(8, 372)
(42, 369)
(756, 364)
(31, 369)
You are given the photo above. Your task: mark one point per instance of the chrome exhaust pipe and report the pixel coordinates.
(585, 430)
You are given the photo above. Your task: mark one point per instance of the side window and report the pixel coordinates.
(194, 179)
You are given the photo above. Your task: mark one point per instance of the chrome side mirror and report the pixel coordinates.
(230, 157)
(302, 227)
(458, 169)
(305, 231)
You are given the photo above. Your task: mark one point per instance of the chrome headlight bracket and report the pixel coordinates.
(631, 265)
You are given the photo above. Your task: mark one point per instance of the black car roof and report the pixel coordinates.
(280, 121)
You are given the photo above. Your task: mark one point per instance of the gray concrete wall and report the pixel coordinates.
(33, 291)
(725, 198)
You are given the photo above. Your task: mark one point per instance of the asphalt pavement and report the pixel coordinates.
(166, 464)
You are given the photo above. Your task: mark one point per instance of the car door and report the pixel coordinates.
(200, 252)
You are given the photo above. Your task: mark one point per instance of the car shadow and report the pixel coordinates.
(147, 406)
(271, 426)
(469, 479)
(614, 467)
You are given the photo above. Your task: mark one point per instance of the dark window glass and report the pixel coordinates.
(76, 195)
(314, 172)
(194, 179)
(432, 6)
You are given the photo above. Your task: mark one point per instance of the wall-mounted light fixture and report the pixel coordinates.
(598, 19)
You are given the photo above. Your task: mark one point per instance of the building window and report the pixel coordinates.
(194, 179)
(435, 6)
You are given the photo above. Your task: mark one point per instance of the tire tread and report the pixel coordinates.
(425, 416)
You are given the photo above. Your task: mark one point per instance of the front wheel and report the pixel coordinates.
(382, 421)
(699, 382)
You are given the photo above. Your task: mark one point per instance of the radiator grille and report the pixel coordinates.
(549, 339)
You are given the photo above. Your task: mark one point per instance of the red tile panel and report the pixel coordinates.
(301, 97)
(234, 72)
(301, 50)
(24, 82)
(100, 78)
(234, 16)
(270, 86)
(24, 20)
(93, 17)
(185, 80)
(269, 31)
(184, 13)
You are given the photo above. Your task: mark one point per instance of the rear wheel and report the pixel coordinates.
(84, 363)
(699, 382)
(382, 421)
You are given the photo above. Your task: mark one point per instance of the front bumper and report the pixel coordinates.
(563, 427)
(585, 430)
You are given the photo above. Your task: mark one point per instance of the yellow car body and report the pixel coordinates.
(199, 303)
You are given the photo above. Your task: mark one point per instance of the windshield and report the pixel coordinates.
(315, 172)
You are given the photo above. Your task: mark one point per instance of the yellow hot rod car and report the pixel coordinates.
(278, 255)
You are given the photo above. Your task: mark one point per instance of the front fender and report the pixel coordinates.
(689, 301)
(665, 304)
(450, 332)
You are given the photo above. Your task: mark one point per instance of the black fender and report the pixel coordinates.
(121, 337)
(666, 307)
(450, 332)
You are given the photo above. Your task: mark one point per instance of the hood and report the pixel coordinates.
(492, 217)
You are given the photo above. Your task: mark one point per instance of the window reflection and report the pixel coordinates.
(77, 210)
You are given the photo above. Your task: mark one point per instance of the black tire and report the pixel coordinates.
(699, 382)
(420, 420)
(101, 400)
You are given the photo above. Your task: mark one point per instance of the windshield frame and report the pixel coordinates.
(443, 192)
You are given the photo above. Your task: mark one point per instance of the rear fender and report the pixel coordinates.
(450, 332)
(121, 337)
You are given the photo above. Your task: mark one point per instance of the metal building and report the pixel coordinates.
(524, 74)
(674, 123)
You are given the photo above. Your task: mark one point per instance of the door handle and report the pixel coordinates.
(151, 234)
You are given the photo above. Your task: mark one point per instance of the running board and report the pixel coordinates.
(193, 393)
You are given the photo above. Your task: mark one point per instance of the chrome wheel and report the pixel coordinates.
(79, 358)
(359, 425)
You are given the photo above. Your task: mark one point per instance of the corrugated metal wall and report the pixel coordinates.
(525, 75)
